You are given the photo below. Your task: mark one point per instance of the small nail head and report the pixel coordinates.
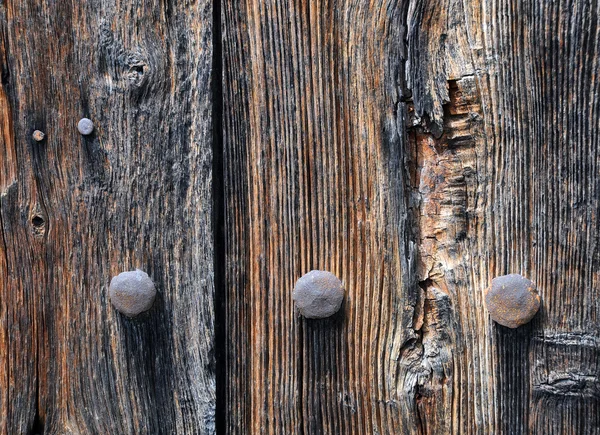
(318, 294)
(85, 126)
(38, 135)
(512, 300)
(132, 293)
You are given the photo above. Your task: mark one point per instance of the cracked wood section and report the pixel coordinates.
(416, 149)
(75, 211)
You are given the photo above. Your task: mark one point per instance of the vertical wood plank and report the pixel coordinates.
(544, 159)
(76, 211)
(315, 173)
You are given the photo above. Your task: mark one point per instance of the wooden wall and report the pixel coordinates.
(415, 148)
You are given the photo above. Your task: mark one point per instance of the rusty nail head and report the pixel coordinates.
(512, 300)
(38, 136)
(85, 126)
(318, 294)
(132, 292)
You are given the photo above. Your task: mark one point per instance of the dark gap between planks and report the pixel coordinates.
(218, 212)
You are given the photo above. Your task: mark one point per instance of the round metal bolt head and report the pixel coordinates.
(512, 300)
(318, 294)
(38, 136)
(132, 293)
(85, 126)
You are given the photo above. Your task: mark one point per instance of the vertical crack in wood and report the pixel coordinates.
(440, 169)
(4, 336)
(426, 70)
(8, 160)
(8, 186)
(37, 427)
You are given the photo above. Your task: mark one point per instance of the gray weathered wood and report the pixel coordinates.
(77, 210)
(416, 149)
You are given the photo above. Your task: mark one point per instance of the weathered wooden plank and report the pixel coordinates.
(315, 170)
(512, 184)
(417, 150)
(543, 163)
(77, 210)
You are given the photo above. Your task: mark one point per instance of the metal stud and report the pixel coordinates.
(318, 294)
(132, 293)
(85, 126)
(512, 300)
(38, 136)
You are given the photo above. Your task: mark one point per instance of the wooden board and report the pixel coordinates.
(76, 211)
(416, 150)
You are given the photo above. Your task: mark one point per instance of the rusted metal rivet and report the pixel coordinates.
(512, 300)
(85, 126)
(318, 294)
(132, 293)
(38, 136)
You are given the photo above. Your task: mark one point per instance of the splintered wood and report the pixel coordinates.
(415, 149)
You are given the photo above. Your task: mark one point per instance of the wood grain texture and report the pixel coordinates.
(416, 149)
(544, 160)
(315, 181)
(76, 211)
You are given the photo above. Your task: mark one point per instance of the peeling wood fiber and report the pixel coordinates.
(414, 148)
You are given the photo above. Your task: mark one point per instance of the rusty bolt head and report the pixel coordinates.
(85, 126)
(38, 136)
(132, 293)
(512, 300)
(318, 294)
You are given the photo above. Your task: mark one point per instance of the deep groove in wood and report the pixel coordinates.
(218, 193)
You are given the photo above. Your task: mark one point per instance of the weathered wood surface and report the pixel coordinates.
(76, 211)
(416, 149)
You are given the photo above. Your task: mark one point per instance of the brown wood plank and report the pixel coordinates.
(76, 211)
(543, 160)
(314, 169)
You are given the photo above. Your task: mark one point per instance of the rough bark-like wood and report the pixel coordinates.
(416, 149)
(77, 210)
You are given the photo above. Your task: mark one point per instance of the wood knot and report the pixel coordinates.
(39, 225)
(136, 68)
(138, 71)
